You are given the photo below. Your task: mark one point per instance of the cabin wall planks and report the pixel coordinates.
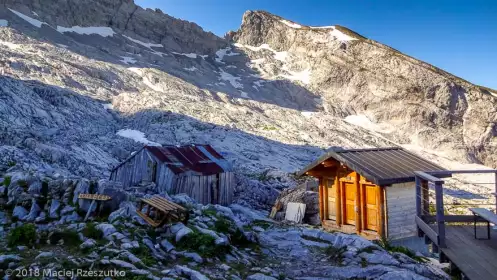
(401, 210)
(217, 188)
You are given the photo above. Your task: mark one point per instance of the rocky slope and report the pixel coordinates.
(43, 231)
(85, 83)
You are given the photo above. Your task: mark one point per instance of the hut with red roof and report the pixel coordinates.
(197, 170)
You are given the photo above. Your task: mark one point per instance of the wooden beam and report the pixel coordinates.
(440, 214)
(321, 212)
(338, 201)
(381, 208)
(325, 199)
(495, 192)
(417, 181)
(427, 230)
(453, 219)
(363, 205)
(328, 163)
(425, 195)
(428, 177)
(358, 203)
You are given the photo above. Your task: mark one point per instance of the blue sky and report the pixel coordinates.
(457, 36)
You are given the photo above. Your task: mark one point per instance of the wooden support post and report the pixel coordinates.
(338, 201)
(358, 203)
(425, 203)
(418, 195)
(381, 228)
(321, 210)
(440, 214)
(495, 193)
(363, 204)
(325, 199)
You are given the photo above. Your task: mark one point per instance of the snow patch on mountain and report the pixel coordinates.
(364, 122)
(307, 114)
(191, 69)
(4, 23)
(91, 30)
(302, 76)
(279, 55)
(31, 20)
(220, 54)
(291, 24)
(128, 60)
(234, 81)
(108, 106)
(191, 55)
(147, 45)
(136, 135)
(9, 45)
(340, 36)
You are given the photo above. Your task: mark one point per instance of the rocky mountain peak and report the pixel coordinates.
(125, 17)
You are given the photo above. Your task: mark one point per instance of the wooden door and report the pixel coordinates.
(331, 200)
(371, 204)
(349, 191)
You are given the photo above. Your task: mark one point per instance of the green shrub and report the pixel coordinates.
(70, 238)
(222, 225)
(209, 212)
(11, 163)
(91, 231)
(23, 235)
(203, 244)
(335, 254)
(140, 251)
(44, 188)
(235, 235)
(6, 181)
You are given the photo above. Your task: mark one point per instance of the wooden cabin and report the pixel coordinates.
(370, 192)
(197, 170)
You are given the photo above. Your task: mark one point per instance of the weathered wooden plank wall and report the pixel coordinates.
(205, 189)
(401, 210)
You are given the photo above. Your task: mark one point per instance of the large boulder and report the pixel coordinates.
(116, 191)
(126, 210)
(302, 194)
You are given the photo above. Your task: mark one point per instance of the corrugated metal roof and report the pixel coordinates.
(198, 158)
(382, 166)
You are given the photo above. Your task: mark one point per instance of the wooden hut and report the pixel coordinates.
(197, 170)
(370, 192)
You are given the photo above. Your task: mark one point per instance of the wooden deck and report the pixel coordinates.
(477, 259)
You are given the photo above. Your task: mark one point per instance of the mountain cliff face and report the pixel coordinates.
(84, 83)
(421, 104)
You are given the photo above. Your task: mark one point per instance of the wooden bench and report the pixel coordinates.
(161, 211)
(485, 214)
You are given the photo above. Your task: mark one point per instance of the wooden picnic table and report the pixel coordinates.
(161, 210)
(485, 214)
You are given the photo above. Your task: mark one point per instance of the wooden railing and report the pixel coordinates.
(424, 219)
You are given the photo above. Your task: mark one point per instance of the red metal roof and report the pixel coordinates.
(197, 158)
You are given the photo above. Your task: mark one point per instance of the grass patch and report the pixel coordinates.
(335, 254)
(234, 234)
(203, 244)
(69, 237)
(6, 181)
(23, 184)
(209, 212)
(144, 254)
(263, 224)
(91, 231)
(23, 235)
(369, 250)
(387, 245)
(315, 239)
